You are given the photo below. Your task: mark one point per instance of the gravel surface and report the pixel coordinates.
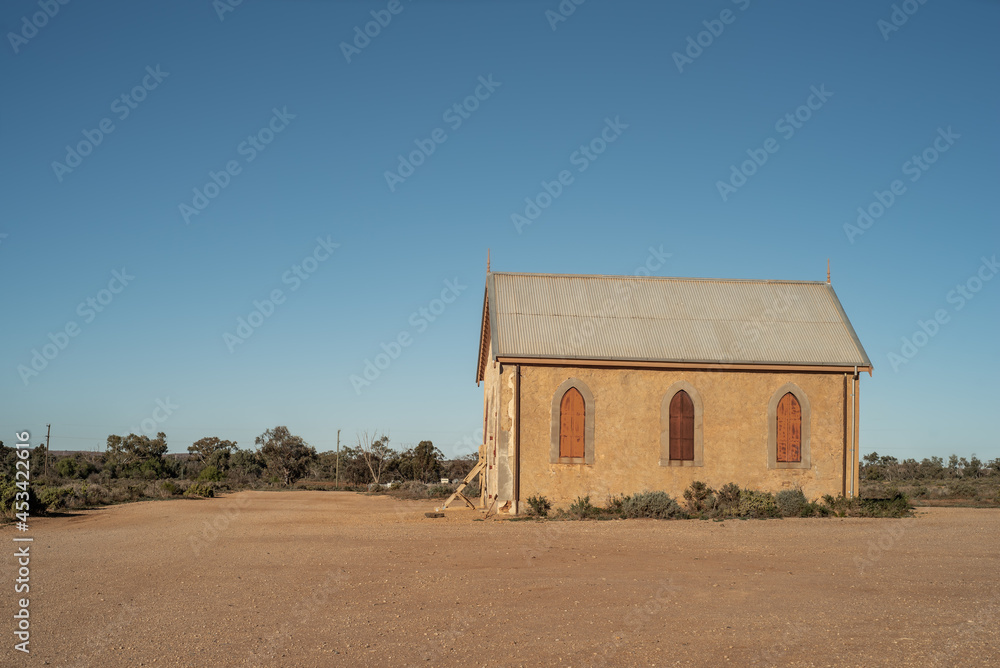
(342, 579)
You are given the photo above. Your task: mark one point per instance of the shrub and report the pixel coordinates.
(727, 499)
(614, 504)
(210, 474)
(414, 486)
(813, 509)
(439, 491)
(539, 506)
(757, 504)
(200, 489)
(583, 509)
(55, 497)
(374, 488)
(896, 506)
(9, 500)
(699, 497)
(66, 467)
(791, 502)
(170, 487)
(656, 505)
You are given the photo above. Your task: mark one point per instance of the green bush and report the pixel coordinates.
(582, 508)
(539, 506)
(757, 504)
(66, 467)
(170, 487)
(614, 504)
(896, 506)
(656, 505)
(200, 489)
(210, 474)
(440, 491)
(727, 499)
(699, 498)
(791, 502)
(9, 501)
(813, 509)
(54, 498)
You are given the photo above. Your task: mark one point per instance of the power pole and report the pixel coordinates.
(48, 431)
(338, 459)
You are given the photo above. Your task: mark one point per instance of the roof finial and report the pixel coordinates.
(487, 260)
(827, 270)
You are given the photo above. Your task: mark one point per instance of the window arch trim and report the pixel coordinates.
(588, 430)
(699, 431)
(772, 428)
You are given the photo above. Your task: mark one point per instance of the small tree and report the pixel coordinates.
(375, 452)
(423, 463)
(245, 465)
(212, 451)
(285, 454)
(136, 455)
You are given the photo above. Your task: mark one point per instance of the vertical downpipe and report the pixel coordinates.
(857, 421)
(854, 422)
(517, 437)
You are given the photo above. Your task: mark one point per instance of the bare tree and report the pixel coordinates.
(375, 452)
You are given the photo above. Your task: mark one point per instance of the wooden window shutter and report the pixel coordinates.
(789, 429)
(682, 427)
(572, 424)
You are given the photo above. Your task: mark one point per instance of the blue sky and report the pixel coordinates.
(308, 129)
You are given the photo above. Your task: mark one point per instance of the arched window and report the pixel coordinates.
(572, 424)
(681, 427)
(682, 433)
(788, 439)
(789, 420)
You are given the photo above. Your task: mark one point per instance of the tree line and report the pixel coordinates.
(278, 458)
(885, 468)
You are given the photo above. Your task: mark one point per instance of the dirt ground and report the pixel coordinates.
(341, 579)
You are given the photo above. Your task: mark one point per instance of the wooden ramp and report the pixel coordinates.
(476, 470)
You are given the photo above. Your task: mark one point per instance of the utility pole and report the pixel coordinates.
(338, 459)
(48, 431)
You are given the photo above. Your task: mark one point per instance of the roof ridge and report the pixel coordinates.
(660, 278)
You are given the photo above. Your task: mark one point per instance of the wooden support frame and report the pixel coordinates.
(476, 470)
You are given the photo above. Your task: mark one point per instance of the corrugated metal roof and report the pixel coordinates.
(632, 318)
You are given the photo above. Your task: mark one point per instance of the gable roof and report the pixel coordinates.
(684, 320)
